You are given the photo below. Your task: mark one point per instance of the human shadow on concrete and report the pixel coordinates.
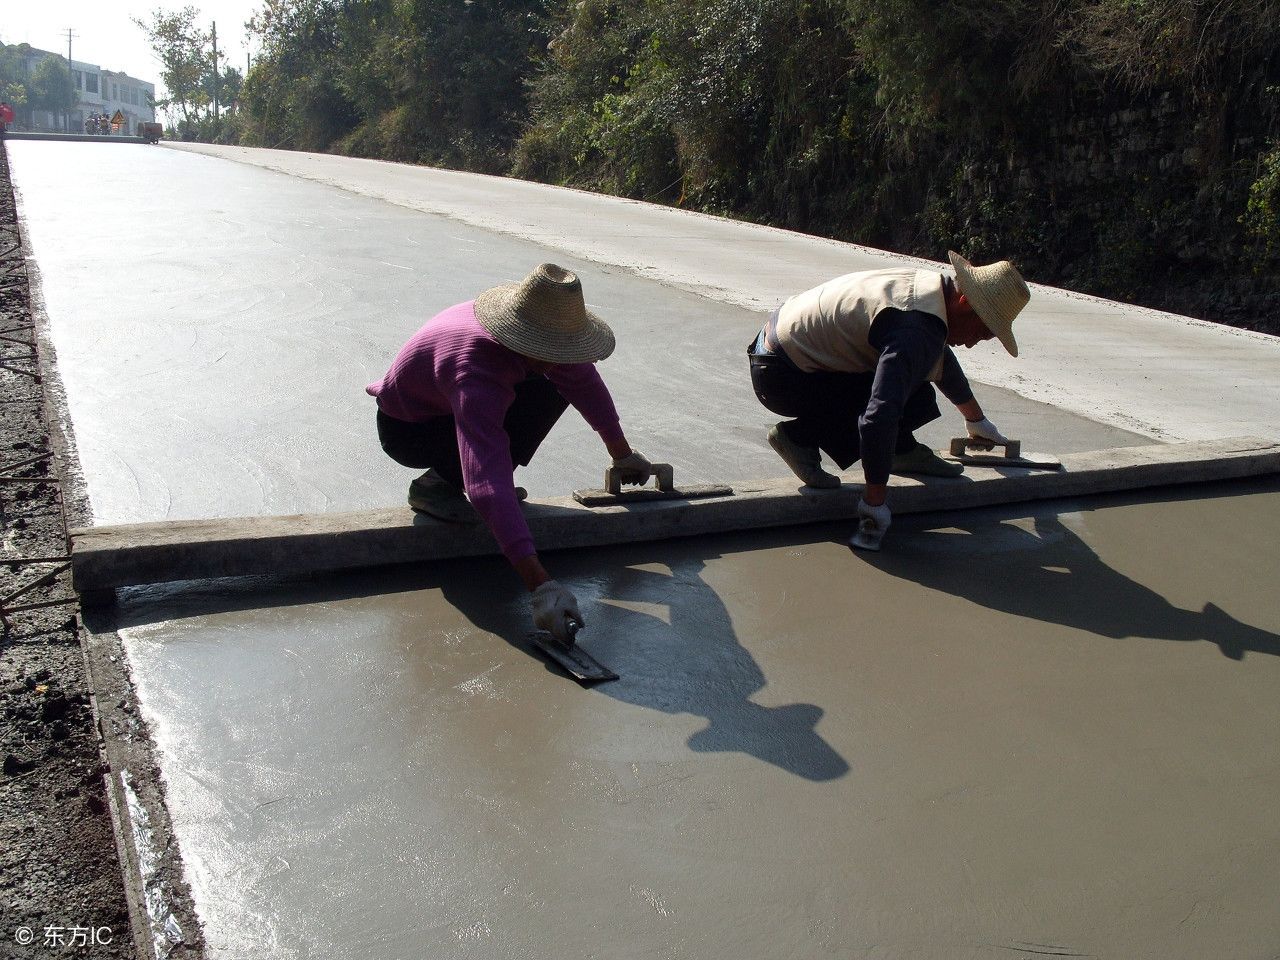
(665, 631)
(1050, 574)
(670, 638)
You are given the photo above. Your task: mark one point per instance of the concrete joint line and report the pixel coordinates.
(107, 557)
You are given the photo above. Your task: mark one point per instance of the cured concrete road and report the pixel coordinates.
(1024, 731)
(1164, 376)
(216, 324)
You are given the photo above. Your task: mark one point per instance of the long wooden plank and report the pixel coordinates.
(108, 557)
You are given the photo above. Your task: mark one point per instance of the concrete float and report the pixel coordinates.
(128, 555)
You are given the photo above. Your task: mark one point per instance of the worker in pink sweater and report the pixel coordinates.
(477, 389)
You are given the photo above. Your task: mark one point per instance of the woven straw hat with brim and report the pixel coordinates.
(544, 317)
(997, 294)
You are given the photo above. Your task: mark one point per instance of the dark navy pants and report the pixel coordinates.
(826, 406)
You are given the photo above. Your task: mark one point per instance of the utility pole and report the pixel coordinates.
(215, 69)
(71, 76)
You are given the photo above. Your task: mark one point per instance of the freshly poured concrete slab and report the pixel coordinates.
(106, 557)
(1161, 375)
(1014, 734)
(216, 324)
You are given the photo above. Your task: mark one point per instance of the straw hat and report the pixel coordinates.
(997, 294)
(544, 317)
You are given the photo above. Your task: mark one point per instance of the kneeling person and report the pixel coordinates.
(854, 360)
(477, 390)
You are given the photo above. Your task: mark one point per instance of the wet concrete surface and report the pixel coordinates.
(216, 324)
(1021, 731)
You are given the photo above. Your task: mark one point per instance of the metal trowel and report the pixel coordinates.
(580, 665)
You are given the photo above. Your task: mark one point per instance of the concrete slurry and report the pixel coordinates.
(216, 324)
(1161, 375)
(1022, 731)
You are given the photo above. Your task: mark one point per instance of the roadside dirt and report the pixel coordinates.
(61, 887)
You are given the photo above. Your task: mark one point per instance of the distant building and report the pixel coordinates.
(106, 91)
(99, 91)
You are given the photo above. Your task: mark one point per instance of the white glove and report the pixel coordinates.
(553, 608)
(878, 515)
(635, 468)
(985, 432)
(873, 522)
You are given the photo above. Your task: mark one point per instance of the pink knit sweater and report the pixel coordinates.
(454, 366)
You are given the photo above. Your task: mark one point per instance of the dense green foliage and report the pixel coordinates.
(13, 78)
(427, 81)
(46, 87)
(1109, 145)
(199, 82)
(1262, 217)
(1126, 147)
(51, 87)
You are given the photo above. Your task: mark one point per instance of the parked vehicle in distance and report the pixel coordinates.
(150, 131)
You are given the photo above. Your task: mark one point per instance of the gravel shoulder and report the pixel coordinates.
(62, 887)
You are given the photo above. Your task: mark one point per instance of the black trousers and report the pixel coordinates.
(434, 443)
(826, 406)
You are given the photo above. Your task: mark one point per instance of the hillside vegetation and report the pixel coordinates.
(1129, 148)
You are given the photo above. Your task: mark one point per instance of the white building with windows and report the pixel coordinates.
(106, 91)
(98, 91)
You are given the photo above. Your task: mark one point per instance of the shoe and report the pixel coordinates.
(923, 461)
(805, 462)
(435, 496)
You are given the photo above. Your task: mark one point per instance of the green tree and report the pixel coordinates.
(293, 92)
(13, 75)
(185, 52)
(459, 76)
(1262, 213)
(51, 86)
(230, 86)
(432, 81)
(743, 106)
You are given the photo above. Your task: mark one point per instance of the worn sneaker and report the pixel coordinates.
(805, 462)
(432, 494)
(924, 462)
(435, 496)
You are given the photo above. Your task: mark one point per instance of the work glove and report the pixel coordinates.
(635, 468)
(873, 522)
(985, 432)
(553, 608)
